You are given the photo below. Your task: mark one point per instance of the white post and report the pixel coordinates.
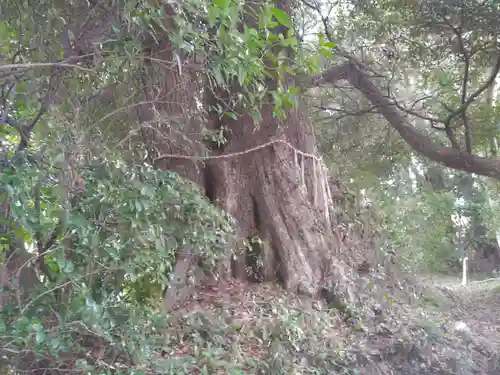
(464, 271)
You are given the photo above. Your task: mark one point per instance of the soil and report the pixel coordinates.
(401, 327)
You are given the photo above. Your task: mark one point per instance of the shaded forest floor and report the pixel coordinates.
(415, 328)
(476, 304)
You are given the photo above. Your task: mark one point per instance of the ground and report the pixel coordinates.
(412, 327)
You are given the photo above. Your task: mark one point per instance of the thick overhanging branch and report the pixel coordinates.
(421, 143)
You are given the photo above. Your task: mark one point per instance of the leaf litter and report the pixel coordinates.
(402, 327)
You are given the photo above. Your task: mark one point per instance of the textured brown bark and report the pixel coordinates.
(17, 272)
(421, 143)
(264, 191)
(296, 232)
(172, 125)
(170, 89)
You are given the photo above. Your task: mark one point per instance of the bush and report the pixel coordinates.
(115, 245)
(421, 230)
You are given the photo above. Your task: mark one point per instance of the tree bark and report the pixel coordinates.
(269, 180)
(172, 125)
(489, 97)
(262, 188)
(171, 122)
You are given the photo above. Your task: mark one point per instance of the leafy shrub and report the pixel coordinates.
(420, 229)
(115, 248)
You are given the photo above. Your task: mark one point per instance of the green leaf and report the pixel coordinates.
(282, 17)
(40, 337)
(221, 3)
(327, 44)
(231, 114)
(77, 220)
(138, 206)
(68, 267)
(148, 191)
(39, 333)
(55, 343)
(242, 74)
(255, 115)
(325, 52)
(289, 42)
(217, 74)
(3, 327)
(212, 15)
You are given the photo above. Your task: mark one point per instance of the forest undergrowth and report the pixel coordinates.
(402, 326)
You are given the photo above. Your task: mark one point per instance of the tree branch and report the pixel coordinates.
(465, 83)
(345, 113)
(45, 65)
(38, 234)
(25, 131)
(490, 81)
(421, 143)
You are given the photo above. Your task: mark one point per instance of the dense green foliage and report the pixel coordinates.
(114, 251)
(439, 64)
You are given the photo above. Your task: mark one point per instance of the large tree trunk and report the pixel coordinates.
(256, 178)
(171, 122)
(172, 125)
(270, 181)
(263, 190)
